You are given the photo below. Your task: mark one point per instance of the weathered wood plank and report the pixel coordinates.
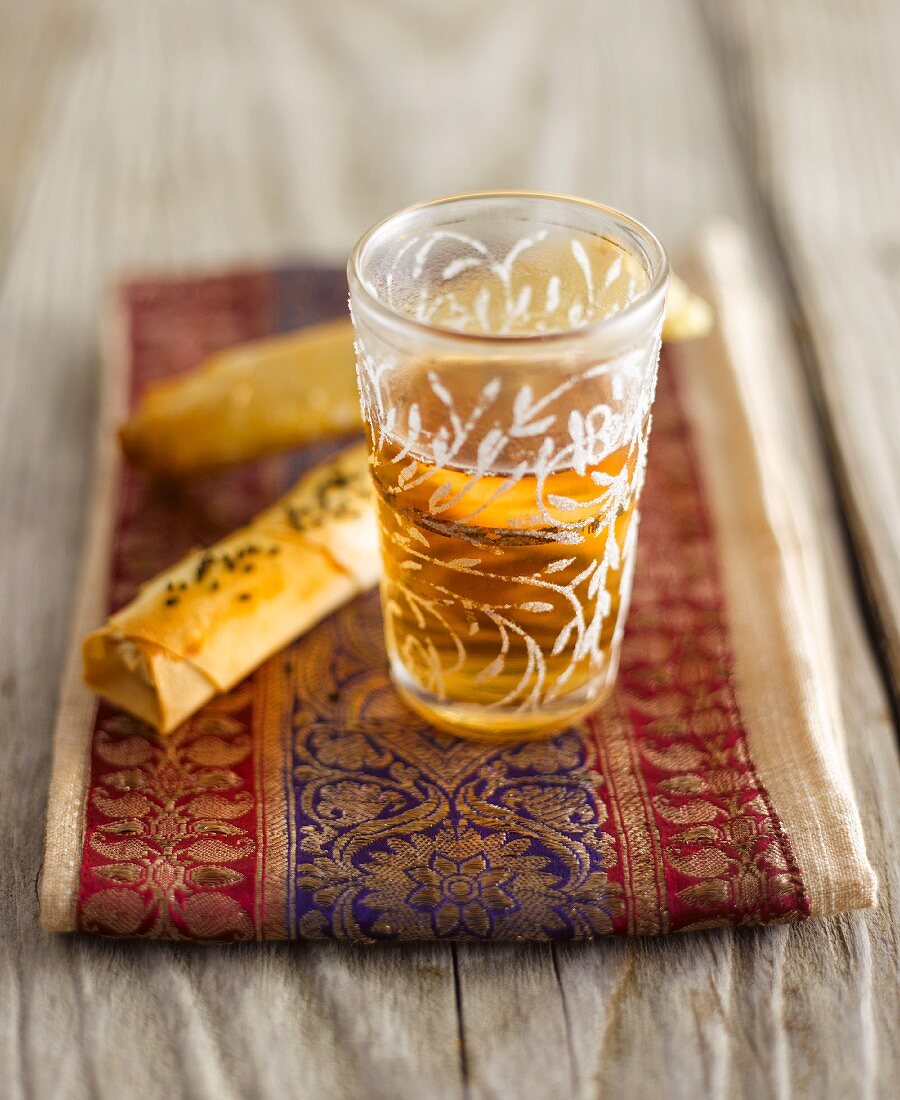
(514, 1012)
(155, 157)
(738, 1012)
(815, 90)
(37, 37)
(218, 131)
(738, 1005)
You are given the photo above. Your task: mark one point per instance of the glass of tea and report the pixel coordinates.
(507, 348)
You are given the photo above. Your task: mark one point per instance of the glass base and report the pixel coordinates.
(480, 723)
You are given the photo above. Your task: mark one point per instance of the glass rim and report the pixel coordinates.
(630, 314)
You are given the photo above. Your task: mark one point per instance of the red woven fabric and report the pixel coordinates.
(309, 803)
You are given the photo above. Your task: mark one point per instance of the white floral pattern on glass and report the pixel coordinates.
(463, 442)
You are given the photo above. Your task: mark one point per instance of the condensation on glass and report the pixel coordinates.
(507, 348)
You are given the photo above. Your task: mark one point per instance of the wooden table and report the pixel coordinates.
(161, 133)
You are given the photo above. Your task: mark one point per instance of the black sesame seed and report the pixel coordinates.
(244, 596)
(172, 600)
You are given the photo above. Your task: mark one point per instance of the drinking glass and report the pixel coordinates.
(507, 347)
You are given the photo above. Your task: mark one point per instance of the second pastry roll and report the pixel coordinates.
(203, 625)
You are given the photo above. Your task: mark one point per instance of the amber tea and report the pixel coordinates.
(507, 349)
(502, 597)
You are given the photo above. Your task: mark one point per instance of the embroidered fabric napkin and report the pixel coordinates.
(712, 789)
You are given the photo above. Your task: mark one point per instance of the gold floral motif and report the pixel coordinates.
(168, 828)
(410, 834)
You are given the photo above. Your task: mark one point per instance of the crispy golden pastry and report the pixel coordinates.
(203, 625)
(688, 316)
(269, 395)
(248, 401)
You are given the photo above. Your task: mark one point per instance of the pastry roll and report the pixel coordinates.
(269, 395)
(247, 401)
(203, 625)
(687, 316)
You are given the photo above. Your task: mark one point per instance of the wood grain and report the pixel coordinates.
(184, 135)
(35, 38)
(816, 92)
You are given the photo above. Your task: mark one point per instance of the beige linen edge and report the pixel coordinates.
(65, 823)
(786, 677)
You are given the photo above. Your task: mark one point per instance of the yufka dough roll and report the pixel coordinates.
(203, 625)
(247, 401)
(268, 395)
